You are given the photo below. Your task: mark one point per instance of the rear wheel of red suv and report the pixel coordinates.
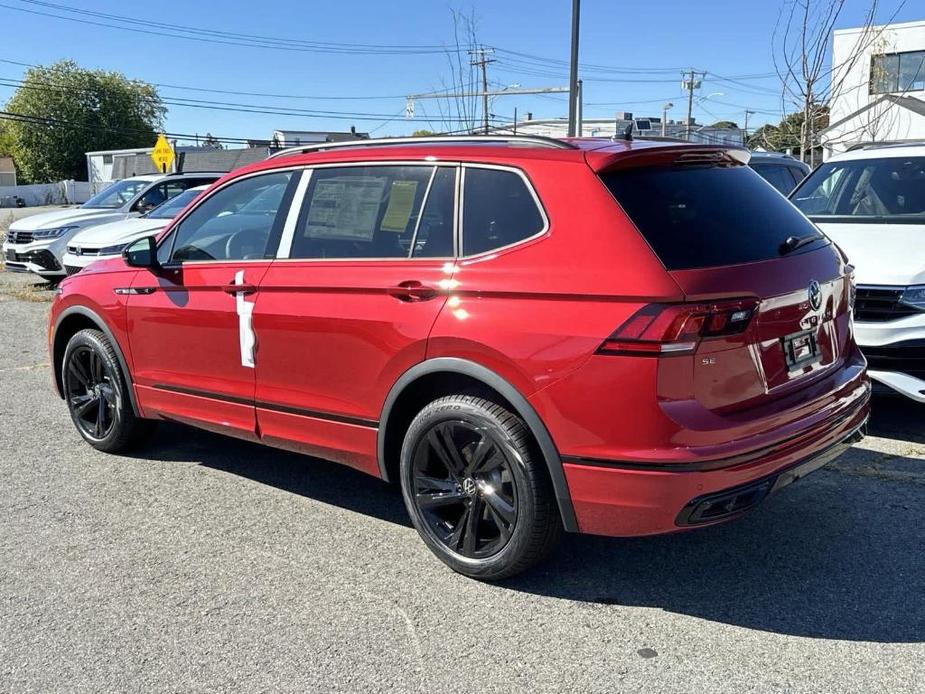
(97, 394)
(477, 494)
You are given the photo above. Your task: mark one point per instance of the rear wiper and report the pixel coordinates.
(794, 242)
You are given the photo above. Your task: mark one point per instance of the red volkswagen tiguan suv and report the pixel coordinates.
(527, 334)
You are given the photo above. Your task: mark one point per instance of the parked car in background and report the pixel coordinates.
(109, 240)
(780, 170)
(526, 334)
(37, 243)
(871, 203)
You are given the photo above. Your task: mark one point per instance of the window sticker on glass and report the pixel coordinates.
(345, 208)
(401, 205)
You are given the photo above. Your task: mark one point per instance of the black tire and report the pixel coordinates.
(97, 397)
(477, 493)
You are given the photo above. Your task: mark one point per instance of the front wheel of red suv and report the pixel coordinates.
(96, 391)
(478, 495)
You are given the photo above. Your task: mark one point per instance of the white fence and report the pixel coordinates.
(60, 193)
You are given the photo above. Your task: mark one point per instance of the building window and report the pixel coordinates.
(107, 159)
(897, 72)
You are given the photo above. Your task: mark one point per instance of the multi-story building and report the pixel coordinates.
(878, 93)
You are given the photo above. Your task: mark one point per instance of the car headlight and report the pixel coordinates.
(113, 250)
(52, 233)
(914, 296)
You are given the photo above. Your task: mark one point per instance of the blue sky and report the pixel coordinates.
(642, 45)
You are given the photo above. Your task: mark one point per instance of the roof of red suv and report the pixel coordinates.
(598, 152)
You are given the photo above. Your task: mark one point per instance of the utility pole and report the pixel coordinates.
(482, 62)
(573, 72)
(690, 83)
(747, 114)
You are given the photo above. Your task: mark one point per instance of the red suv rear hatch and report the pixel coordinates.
(767, 295)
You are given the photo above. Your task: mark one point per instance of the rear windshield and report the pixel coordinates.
(891, 189)
(706, 216)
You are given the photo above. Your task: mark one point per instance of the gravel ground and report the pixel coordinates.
(204, 564)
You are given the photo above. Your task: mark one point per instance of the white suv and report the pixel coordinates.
(37, 243)
(871, 203)
(109, 240)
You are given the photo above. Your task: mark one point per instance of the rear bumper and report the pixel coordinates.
(618, 499)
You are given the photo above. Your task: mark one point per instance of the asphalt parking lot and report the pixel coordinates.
(203, 563)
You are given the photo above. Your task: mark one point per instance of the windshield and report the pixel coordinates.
(117, 195)
(874, 190)
(173, 207)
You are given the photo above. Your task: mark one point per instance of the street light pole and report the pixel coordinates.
(573, 73)
(665, 109)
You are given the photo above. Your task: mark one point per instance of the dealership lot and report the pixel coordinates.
(204, 563)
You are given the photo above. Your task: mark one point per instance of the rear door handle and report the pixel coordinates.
(412, 290)
(242, 288)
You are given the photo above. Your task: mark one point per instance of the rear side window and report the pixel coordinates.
(377, 212)
(708, 216)
(498, 210)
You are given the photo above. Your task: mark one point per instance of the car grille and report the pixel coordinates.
(905, 357)
(44, 259)
(19, 236)
(71, 270)
(880, 304)
(78, 250)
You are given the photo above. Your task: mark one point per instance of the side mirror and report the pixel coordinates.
(142, 253)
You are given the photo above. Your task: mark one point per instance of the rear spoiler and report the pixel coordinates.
(602, 160)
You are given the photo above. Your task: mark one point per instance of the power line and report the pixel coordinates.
(225, 106)
(218, 37)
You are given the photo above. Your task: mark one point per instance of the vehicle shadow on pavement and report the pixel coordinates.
(314, 478)
(835, 556)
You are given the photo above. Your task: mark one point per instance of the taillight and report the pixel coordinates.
(665, 329)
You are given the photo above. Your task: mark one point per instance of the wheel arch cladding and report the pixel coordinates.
(71, 321)
(444, 375)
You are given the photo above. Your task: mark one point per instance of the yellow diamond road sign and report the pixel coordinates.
(162, 155)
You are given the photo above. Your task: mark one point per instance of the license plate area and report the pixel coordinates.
(11, 254)
(801, 349)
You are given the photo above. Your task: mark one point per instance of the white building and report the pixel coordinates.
(99, 164)
(880, 96)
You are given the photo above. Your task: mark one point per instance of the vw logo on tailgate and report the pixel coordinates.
(815, 295)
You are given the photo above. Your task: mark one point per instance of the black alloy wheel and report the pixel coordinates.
(96, 391)
(90, 392)
(465, 489)
(477, 490)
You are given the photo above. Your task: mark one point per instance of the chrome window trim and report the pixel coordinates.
(295, 208)
(536, 201)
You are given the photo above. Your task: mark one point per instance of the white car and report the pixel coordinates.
(108, 240)
(871, 203)
(37, 243)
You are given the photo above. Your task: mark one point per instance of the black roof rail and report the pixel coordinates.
(534, 140)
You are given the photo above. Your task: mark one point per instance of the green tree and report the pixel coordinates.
(423, 133)
(725, 124)
(63, 111)
(788, 134)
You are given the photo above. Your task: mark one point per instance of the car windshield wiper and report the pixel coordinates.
(791, 243)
